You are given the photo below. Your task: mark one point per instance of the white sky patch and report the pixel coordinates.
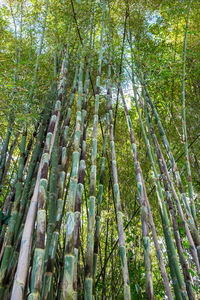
(2, 2)
(128, 94)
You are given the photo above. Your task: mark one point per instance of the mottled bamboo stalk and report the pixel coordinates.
(23, 261)
(144, 211)
(24, 201)
(54, 230)
(68, 115)
(92, 199)
(178, 282)
(52, 236)
(63, 160)
(39, 252)
(117, 200)
(81, 177)
(67, 283)
(55, 264)
(119, 214)
(99, 198)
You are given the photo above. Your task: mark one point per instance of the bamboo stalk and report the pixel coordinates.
(184, 126)
(144, 213)
(91, 217)
(80, 186)
(99, 198)
(117, 200)
(67, 283)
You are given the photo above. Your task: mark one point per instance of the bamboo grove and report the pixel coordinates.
(99, 153)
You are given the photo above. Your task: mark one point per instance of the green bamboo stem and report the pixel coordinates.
(52, 249)
(173, 190)
(24, 201)
(46, 117)
(61, 267)
(39, 52)
(193, 229)
(184, 126)
(178, 282)
(9, 249)
(187, 276)
(3, 154)
(100, 194)
(7, 166)
(11, 150)
(143, 205)
(168, 149)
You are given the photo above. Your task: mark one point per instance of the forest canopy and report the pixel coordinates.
(99, 149)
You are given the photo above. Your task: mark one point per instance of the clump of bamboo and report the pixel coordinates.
(147, 209)
(178, 282)
(39, 196)
(191, 222)
(187, 276)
